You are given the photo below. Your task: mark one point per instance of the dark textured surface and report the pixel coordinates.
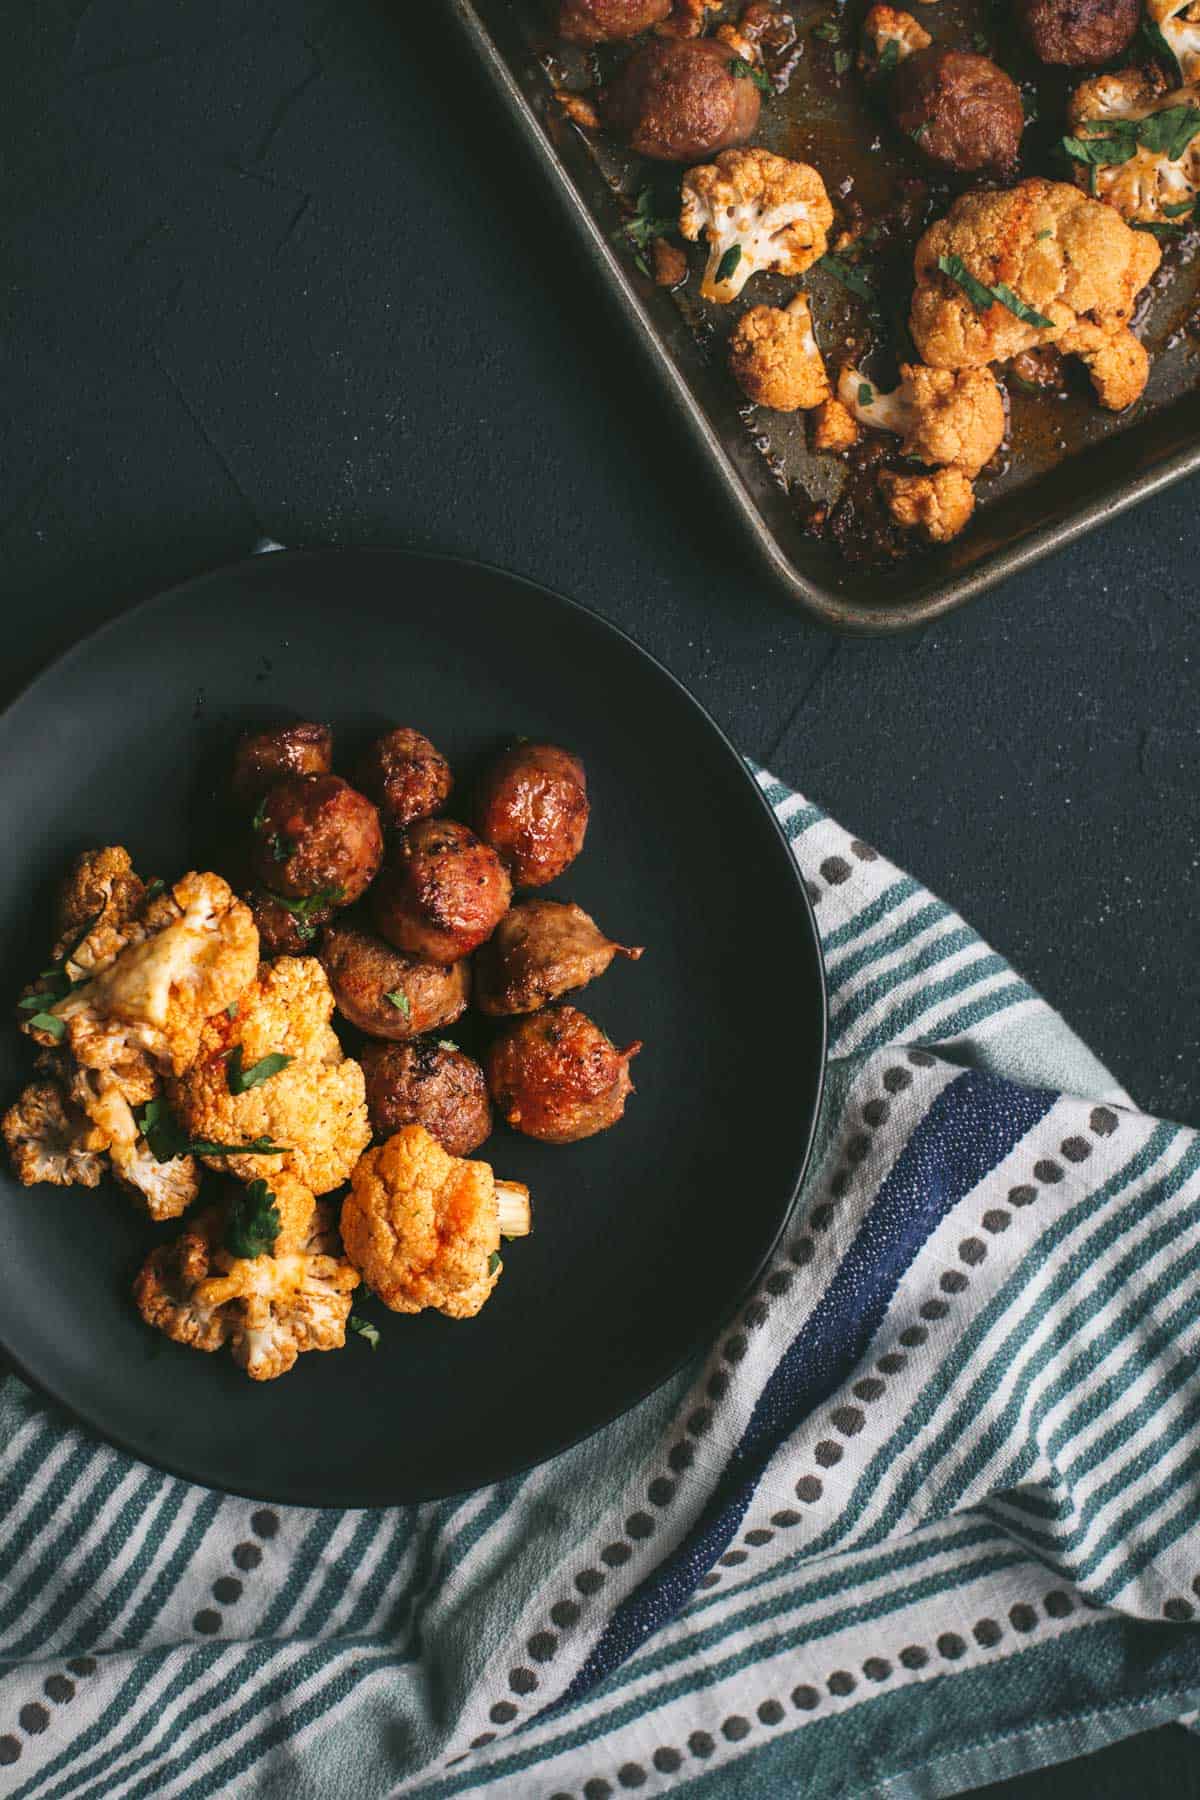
(270, 268)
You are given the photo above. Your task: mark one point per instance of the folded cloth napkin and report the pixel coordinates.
(927, 1515)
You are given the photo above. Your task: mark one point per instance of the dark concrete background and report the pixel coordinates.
(277, 268)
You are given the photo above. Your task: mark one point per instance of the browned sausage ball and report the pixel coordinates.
(264, 757)
(406, 777)
(539, 950)
(283, 931)
(604, 21)
(440, 893)
(676, 100)
(555, 1076)
(533, 810)
(1078, 34)
(429, 1084)
(961, 111)
(315, 834)
(386, 993)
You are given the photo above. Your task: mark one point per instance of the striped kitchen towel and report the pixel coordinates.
(926, 1516)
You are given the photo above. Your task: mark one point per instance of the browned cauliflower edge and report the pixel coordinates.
(424, 1227)
(885, 27)
(50, 1140)
(757, 211)
(1154, 178)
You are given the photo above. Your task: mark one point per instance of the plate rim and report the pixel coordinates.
(164, 599)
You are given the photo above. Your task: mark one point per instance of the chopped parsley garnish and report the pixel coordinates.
(231, 1011)
(311, 903)
(401, 1002)
(242, 1080)
(748, 72)
(1107, 143)
(727, 267)
(829, 31)
(889, 56)
(446, 1044)
(849, 275)
(841, 61)
(1157, 228)
(1043, 235)
(280, 847)
(866, 394)
(982, 298)
(252, 1223)
(365, 1329)
(494, 1262)
(981, 42)
(45, 1021)
(1179, 210)
(58, 982)
(918, 132)
(155, 889)
(645, 226)
(167, 1139)
(1158, 42)
(260, 817)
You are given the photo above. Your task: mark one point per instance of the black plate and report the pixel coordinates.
(644, 1238)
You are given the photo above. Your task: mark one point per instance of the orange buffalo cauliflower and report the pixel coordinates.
(1153, 140)
(145, 1008)
(883, 27)
(774, 357)
(756, 211)
(51, 1140)
(937, 506)
(267, 1308)
(1040, 263)
(833, 427)
(424, 1227)
(947, 419)
(276, 1070)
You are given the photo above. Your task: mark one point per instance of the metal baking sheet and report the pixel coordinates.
(1069, 466)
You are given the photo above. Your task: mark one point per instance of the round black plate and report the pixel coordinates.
(645, 1237)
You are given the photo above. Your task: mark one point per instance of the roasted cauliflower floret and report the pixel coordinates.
(757, 211)
(150, 1003)
(100, 896)
(268, 1309)
(1142, 149)
(937, 506)
(1040, 263)
(50, 1140)
(167, 1188)
(313, 1102)
(946, 419)
(1179, 23)
(888, 36)
(774, 357)
(833, 427)
(424, 1227)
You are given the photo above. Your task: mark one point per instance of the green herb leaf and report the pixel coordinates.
(1179, 210)
(644, 227)
(167, 1139)
(727, 266)
(829, 31)
(45, 1021)
(982, 298)
(842, 60)
(446, 1044)
(918, 132)
(231, 1011)
(1043, 235)
(1169, 132)
(260, 816)
(252, 1223)
(311, 903)
(155, 889)
(1107, 152)
(889, 56)
(866, 394)
(401, 1002)
(242, 1080)
(494, 1262)
(1158, 43)
(280, 847)
(1157, 229)
(747, 71)
(850, 277)
(365, 1329)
